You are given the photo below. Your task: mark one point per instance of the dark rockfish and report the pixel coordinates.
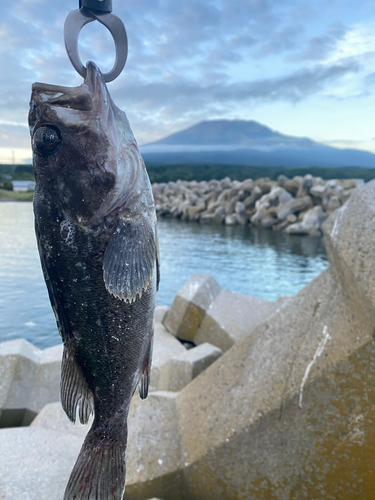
(96, 229)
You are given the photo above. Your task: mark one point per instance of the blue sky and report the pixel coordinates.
(302, 68)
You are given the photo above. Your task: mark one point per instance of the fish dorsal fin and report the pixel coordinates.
(129, 259)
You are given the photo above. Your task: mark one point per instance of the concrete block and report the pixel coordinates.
(287, 410)
(190, 305)
(53, 418)
(201, 357)
(231, 317)
(166, 348)
(35, 463)
(154, 449)
(30, 378)
(160, 312)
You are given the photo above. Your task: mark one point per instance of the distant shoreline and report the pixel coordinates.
(7, 196)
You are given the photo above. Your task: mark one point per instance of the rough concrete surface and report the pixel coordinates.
(231, 316)
(190, 305)
(29, 378)
(35, 463)
(288, 412)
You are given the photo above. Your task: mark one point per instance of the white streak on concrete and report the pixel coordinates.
(340, 213)
(318, 352)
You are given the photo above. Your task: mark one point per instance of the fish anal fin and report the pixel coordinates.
(129, 259)
(74, 390)
(144, 381)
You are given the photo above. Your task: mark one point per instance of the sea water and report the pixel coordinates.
(264, 263)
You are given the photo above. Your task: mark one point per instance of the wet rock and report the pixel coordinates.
(190, 305)
(232, 316)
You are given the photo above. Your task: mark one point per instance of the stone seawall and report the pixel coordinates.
(296, 206)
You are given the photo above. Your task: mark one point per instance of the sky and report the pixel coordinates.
(302, 68)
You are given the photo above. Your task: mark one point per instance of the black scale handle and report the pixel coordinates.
(97, 6)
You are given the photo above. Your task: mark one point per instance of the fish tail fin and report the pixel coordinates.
(146, 369)
(99, 473)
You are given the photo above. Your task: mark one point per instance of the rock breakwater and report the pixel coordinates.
(297, 206)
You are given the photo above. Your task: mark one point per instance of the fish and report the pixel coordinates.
(96, 230)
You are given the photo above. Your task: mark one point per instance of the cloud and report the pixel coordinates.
(284, 40)
(319, 47)
(294, 87)
(188, 61)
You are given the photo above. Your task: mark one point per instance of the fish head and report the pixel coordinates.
(84, 152)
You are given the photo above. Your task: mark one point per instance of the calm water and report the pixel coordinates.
(263, 263)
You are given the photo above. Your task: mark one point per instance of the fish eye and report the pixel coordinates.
(46, 140)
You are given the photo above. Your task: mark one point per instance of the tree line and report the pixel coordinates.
(204, 172)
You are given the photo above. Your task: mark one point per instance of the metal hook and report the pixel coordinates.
(76, 20)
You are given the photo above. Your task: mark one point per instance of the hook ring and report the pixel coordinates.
(76, 20)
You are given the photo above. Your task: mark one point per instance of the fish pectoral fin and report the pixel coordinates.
(74, 390)
(129, 259)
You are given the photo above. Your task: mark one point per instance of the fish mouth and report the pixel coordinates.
(94, 79)
(79, 98)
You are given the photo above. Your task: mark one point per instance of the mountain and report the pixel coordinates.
(242, 142)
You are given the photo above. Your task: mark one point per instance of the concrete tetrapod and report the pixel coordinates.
(29, 379)
(288, 413)
(232, 316)
(190, 305)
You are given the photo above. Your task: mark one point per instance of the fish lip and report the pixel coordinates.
(94, 78)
